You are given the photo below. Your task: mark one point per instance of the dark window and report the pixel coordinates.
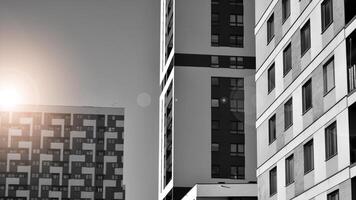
(215, 18)
(233, 62)
(215, 171)
(288, 114)
(215, 147)
(272, 128)
(271, 78)
(214, 61)
(307, 96)
(273, 181)
(214, 81)
(236, 20)
(237, 127)
(215, 2)
(290, 170)
(215, 103)
(214, 40)
(326, 14)
(285, 9)
(237, 84)
(305, 38)
(334, 195)
(215, 124)
(329, 78)
(270, 28)
(236, 2)
(237, 172)
(308, 156)
(236, 41)
(287, 59)
(237, 150)
(330, 141)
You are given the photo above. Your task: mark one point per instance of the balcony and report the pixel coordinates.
(351, 61)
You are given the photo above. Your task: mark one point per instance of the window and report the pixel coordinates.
(308, 156)
(240, 105)
(273, 181)
(236, 105)
(214, 62)
(215, 103)
(215, 124)
(271, 78)
(237, 150)
(270, 28)
(214, 147)
(236, 2)
(237, 84)
(285, 9)
(215, 171)
(214, 40)
(305, 38)
(236, 20)
(214, 18)
(288, 114)
(214, 81)
(330, 141)
(326, 14)
(237, 172)
(233, 62)
(287, 59)
(233, 149)
(334, 195)
(290, 170)
(307, 96)
(272, 128)
(329, 77)
(236, 41)
(237, 127)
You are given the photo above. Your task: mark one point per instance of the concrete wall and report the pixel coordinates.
(192, 125)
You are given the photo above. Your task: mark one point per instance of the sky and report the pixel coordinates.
(90, 53)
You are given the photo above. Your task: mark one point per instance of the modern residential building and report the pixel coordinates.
(306, 111)
(58, 152)
(207, 134)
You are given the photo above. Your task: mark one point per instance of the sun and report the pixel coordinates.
(9, 98)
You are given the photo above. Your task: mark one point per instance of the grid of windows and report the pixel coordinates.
(330, 141)
(307, 96)
(305, 38)
(326, 14)
(288, 114)
(329, 76)
(308, 156)
(290, 170)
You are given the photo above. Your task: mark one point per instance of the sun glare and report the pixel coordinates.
(9, 98)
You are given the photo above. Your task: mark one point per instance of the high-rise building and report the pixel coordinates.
(207, 138)
(60, 152)
(306, 111)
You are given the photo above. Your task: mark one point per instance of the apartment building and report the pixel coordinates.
(305, 91)
(207, 134)
(61, 152)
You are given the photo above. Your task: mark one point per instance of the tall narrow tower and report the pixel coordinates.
(207, 102)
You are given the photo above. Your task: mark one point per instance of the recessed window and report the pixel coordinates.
(330, 141)
(237, 172)
(214, 18)
(235, 20)
(270, 28)
(272, 128)
(215, 124)
(305, 38)
(237, 84)
(233, 62)
(271, 78)
(215, 147)
(237, 127)
(236, 40)
(329, 76)
(273, 181)
(288, 114)
(287, 59)
(215, 40)
(308, 156)
(290, 169)
(215, 81)
(333, 196)
(307, 96)
(215, 103)
(285, 9)
(215, 171)
(214, 61)
(326, 14)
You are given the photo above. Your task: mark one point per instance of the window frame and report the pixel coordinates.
(304, 96)
(330, 153)
(308, 147)
(270, 28)
(286, 10)
(272, 135)
(289, 164)
(287, 61)
(324, 7)
(288, 111)
(273, 190)
(333, 194)
(325, 75)
(305, 42)
(271, 75)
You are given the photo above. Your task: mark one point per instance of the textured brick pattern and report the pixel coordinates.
(61, 155)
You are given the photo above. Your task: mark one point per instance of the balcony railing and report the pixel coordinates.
(352, 78)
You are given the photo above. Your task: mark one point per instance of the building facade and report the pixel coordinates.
(305, 83)
(57, 152)
(207, 101)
